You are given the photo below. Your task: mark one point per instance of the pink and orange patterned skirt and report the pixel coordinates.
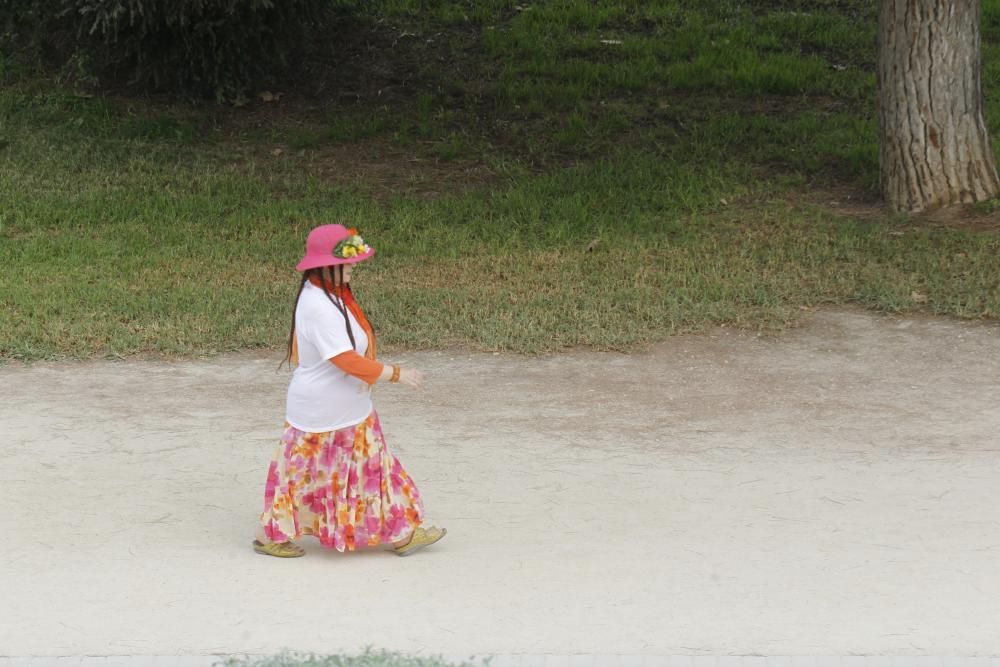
(342, 486)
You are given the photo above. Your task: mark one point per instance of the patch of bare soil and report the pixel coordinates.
(966, 217)
(860, 204)
(386, 170)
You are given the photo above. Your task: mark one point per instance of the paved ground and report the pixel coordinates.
(830, 492)
(555, 660)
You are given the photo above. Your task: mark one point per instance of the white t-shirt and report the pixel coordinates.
(321, 397)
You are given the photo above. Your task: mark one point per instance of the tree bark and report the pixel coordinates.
(934, 148)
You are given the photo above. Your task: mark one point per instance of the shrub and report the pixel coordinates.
(207, 47)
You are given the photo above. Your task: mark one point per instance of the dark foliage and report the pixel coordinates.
(209, 48)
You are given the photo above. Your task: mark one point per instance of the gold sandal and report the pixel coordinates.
(420, 539)
(279, 549)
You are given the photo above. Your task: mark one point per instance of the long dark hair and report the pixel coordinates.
(325, 278)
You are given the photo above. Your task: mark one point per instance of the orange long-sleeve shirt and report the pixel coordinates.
(354, 364)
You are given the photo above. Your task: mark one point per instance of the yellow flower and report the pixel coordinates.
(350, 251)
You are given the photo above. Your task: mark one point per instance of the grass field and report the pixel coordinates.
(721, 154)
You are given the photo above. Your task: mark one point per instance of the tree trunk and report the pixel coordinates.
(934, 149)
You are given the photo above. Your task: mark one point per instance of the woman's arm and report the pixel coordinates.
(386, 373)
(369, 370)
(372, 371)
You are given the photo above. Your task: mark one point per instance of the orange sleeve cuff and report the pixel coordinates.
(354, 364)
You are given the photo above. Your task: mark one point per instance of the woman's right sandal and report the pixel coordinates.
(279, 549)
(420, 539)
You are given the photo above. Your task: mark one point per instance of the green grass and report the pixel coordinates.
(552, 61)
(689, 150)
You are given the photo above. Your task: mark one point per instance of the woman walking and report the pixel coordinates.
(332, 476)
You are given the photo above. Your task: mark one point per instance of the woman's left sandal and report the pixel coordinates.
(421, 538)
(279, 549)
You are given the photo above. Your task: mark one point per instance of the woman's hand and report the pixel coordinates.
(411, 377)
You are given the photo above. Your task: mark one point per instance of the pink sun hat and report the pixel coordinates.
(329, 245)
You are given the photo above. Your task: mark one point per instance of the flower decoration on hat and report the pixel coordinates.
(352, 246)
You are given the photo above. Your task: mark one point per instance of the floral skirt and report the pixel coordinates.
(342, 486)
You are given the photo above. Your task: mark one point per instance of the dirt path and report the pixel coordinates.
(833, 491)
